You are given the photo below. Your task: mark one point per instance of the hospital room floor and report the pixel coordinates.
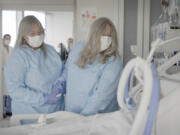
(4, 122)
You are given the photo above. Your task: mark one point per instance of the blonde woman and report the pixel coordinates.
(92, 72)
(31, 71)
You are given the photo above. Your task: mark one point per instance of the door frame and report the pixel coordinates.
(143, 28)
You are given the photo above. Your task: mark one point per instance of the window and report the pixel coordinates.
(58, 25)
(9, 24)
(39, 15)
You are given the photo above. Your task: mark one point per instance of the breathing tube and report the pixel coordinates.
(148, 105)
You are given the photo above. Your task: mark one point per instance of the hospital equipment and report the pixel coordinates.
(170, 63)
(159, 45)
(169, 71)
(169, 85)
(174, 13)
(167, 25)
(161, 26)
(168, 119)
(166, 49)
(167, 46)
(147, 101)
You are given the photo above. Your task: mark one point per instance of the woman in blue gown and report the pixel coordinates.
(92, 72)
(31, 70)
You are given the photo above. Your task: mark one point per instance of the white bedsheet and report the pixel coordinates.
(168, 118)
(116, 123)
(168, 86)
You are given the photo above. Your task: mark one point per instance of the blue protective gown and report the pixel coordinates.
(93, 89)
(29, 76)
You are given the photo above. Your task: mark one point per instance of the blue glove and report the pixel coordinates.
(52, 98)
(60, 86)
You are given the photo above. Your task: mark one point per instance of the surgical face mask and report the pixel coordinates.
(7, 41)
(36, 41)
(105, 42)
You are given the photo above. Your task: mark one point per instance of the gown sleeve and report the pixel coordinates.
(15, 73)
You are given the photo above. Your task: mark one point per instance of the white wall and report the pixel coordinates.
(59, 27)
(105, 8)
(63, 5)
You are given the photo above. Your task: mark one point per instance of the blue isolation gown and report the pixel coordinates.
(29, 76)
(92, 89)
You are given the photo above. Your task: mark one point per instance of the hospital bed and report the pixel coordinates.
(120, 122)
(168, 118)
(167, 122)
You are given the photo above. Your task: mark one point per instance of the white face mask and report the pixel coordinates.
(7, 42)
(105, 42)
(36, 41)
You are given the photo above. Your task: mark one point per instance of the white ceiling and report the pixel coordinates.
(51, 2)
(63, 5)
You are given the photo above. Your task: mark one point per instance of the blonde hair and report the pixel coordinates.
(92, 48)
(25, 27)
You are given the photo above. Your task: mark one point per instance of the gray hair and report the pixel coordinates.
(25, 27)
(92, 48)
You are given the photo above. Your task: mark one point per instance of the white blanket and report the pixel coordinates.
(66, 123)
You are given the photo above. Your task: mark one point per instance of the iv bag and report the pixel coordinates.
(161, 26)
